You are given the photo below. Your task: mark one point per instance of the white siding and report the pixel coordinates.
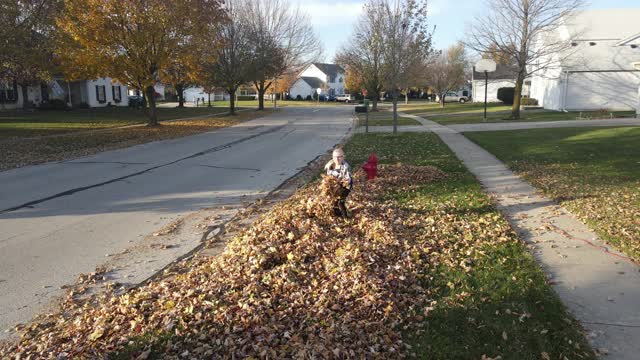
(92, 98)
(492, 89)
(300, 87)
(313, 71)
(548, 92)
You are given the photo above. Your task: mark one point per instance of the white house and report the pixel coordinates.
(596, 71)
(327, 77)
(94, 93)
(504, 76)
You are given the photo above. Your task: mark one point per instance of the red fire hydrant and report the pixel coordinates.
(371, 167)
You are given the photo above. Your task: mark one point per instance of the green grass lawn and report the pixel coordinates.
(385, 118)
(501, 307)
(16, 124)
(595, 173)
(432, 108)
(533, 115)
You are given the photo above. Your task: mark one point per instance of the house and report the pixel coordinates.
(504, 76)
(93, 93)
(596, 70)
(327, 77)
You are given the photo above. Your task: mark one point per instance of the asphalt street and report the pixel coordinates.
(58, 220)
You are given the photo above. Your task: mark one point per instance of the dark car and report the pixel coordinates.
(135, 101)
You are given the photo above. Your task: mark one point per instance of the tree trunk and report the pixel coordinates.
(153, 117)
(232, 100)
(406, 97)
(25, 96)
(209, 99)
(180, 91)
(441, 101)
(517, 95)
(395, 112)
(261, 91)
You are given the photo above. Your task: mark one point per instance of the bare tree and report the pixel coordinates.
(447, 71)
(407, 40)
(523, 30)
(363, 55)
(232, 60)
(282, 40)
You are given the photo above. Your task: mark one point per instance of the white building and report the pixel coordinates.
(93, 93)
(503, 77)
(327, 77)
(596, 70)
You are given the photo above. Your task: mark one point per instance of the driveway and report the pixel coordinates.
(60, 220)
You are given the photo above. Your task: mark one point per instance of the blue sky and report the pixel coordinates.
(333, 19)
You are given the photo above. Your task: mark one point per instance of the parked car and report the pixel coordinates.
(453, 97)
(135, 101)
(344, 98)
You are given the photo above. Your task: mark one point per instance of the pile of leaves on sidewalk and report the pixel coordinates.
(299, 283)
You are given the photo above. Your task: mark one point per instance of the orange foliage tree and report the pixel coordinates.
(134, 42)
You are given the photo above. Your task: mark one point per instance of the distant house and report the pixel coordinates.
(93, 93)
(327, 77)
(596, 70)
(504, 76)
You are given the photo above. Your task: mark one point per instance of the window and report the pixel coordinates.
(101, 95)
(8, 92)
(340, 80)
(117, 93)
(332, 78)
(592, 43)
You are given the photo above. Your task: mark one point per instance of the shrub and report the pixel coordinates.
(246, 97)
(299, 97)
(83, 105)
(506, 95)
(53, 104)
(309, 97)
(528, 101)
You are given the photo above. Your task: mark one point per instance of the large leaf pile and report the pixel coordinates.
(300, 283)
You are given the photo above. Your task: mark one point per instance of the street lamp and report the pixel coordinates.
(486, 65)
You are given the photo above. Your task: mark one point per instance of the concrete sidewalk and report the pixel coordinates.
(599, 285)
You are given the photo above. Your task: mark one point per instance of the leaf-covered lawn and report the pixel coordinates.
(384, 118)
(595, 173)
(19, 124)
(526, 116)
(19, 152)
(424, 267)
(499, 306)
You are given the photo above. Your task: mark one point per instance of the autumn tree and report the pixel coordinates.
(407, 40)
(281, 39)
(447, 71)
(132, 41)
(363, 56)
(26, 28)
(182, 72)
(514, 29)
(232, 61)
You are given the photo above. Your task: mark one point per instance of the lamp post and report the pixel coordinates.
(486, 66)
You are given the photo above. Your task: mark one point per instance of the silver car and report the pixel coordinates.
(454, 97)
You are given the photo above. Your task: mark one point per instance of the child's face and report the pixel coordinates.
(338, 157)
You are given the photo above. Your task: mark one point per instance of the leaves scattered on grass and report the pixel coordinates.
(23, 152)
(300, 282)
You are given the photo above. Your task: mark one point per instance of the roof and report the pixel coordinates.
(598, 24)
(503, 72)
(329, 69)
(597, 45)
(312, 81)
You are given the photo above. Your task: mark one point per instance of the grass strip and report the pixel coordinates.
(23, 152)
(594, 173)
(384, 119)
(527, 116)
